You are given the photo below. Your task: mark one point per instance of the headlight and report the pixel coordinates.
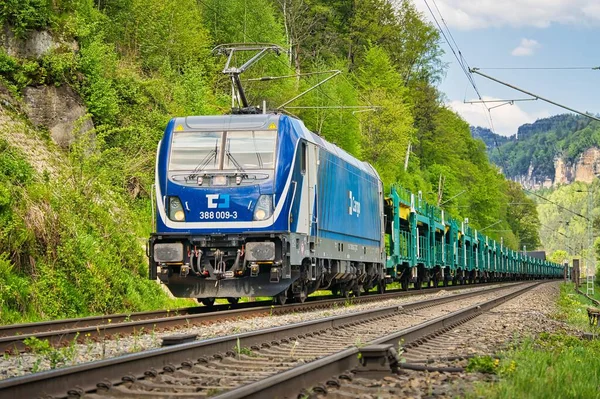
(172, 252)
(264, 207)
(176, 210)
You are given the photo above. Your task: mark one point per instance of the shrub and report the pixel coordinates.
(25, 15)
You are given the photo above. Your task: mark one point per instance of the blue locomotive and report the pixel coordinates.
(257, 205)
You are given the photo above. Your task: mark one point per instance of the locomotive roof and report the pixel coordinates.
(265, 121)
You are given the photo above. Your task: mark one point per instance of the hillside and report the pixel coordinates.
(557, 150)
(89, 86)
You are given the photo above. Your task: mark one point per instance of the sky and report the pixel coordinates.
(520, 34)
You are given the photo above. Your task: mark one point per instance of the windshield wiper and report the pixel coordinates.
(231, 158)
(205, 161)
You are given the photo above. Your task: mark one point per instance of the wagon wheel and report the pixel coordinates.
(233, 300)
(208, 301)
(404, 284)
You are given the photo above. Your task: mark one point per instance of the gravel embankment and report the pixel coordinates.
(11, 366)
(525, 316)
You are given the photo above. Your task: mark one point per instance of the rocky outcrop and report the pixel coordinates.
(532, 182)
(587, 165)
(563, 172)
(584, 169)
(35, 45)
(59, 109)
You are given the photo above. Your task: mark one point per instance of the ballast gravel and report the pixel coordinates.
(90, 350)
(528, 315)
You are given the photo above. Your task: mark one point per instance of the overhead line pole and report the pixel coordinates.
(476, 70)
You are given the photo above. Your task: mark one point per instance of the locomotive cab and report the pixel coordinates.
(218, 208)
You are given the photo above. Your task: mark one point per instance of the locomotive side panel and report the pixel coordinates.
(349, 210)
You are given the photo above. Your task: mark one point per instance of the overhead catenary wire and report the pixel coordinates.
(476, 70)
(462, 62)
(556, 204)
(596, 68)
(318, 86)
(467, 69)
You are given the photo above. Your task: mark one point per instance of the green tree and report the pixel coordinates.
(387, 131)
(522, 217)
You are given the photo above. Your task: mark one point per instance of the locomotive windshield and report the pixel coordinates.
(189, 149)
(249, 150)
(232, 150)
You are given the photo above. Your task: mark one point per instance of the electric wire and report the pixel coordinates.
(462, 62)
(320, 89)
(556, 204)
(596, 68)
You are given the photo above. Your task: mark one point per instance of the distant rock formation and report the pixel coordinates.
(557, 150)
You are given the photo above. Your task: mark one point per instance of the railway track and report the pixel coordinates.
(62, 332)
(377, 359)
(276, 359)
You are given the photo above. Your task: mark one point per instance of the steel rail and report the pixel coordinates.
(85, 377)
(93, 321)
(61, 332)
(292, 382)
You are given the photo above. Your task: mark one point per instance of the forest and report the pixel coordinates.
(138, 63)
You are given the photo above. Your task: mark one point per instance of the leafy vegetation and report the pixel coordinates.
(141, 62)
(564, 219)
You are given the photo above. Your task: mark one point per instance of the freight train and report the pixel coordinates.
(258, 205)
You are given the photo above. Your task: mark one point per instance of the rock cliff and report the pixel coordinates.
(552, 151)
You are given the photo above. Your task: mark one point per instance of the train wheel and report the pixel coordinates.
(281, 298)
(404, 285)
(381, 287)
(233, 300)
(301, 298)
(208, 301)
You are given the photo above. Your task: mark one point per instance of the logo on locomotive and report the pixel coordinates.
(354, 207)
(220, 201)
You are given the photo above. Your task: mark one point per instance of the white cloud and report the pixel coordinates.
(470, 14)
(526, 47)
(506, 118)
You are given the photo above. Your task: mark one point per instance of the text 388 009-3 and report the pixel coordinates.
(221, 215)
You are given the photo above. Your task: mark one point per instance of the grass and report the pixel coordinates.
(573, 307)
(552, 365)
